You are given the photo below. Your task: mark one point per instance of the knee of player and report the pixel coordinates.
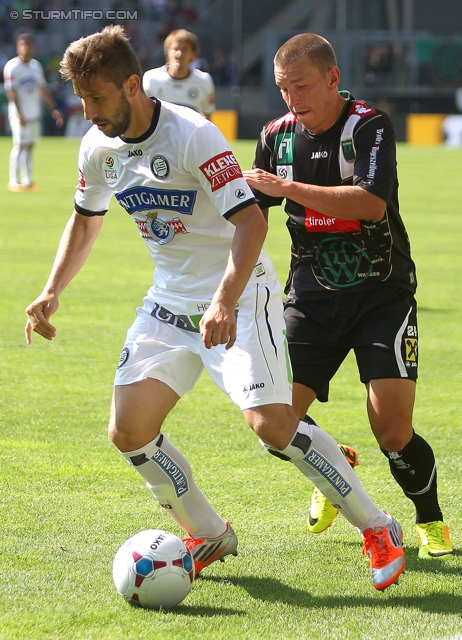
(273, 424)
(274, 437)
(131, 435)
(120, 437)
(112, 430)
(394, 440)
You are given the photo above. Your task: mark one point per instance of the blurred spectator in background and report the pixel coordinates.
(188, 13)
(149, 10)
(221, 68)
(20, 6)
(200, 63)
(178, 81)
(452, 130)
(379, 64)
(51, 67)
(26, 86)
(5, 22)
(137, 42)
(167, 24)
(3, 61)
(39, 22)
(172, 9)
(159, 7)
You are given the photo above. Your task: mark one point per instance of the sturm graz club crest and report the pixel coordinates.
(342, 263)
(160, 167)
(124, 355)
(159, 230)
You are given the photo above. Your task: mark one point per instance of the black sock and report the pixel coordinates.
(414, 469)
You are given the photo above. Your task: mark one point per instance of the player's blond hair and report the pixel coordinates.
(317, 49)
(107, 53)
(181, 35)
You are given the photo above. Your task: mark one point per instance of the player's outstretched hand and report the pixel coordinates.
(265, 182)
(38, 313)
(218, 326)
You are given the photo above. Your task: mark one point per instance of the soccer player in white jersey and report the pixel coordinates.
(178, 81)
(25, 86)
(215, 302)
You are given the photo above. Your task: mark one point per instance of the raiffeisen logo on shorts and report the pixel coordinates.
(221, 169)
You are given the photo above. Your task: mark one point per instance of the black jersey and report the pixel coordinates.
(332, 255)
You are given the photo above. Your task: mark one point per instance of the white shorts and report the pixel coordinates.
(254, 372)
(25, 135)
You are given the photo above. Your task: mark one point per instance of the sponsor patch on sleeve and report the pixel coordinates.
(81, 182)
(362, 109)
(221, 169)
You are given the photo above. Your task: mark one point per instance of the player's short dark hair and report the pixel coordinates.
(25, 35)
(317, 49)
(107, 53)
(182, 35)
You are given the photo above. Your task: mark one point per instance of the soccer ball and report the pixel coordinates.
(153, 569)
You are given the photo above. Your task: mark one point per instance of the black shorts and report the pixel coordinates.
(379, 325)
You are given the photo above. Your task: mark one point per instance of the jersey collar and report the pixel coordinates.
(349, 99)
(152, 127)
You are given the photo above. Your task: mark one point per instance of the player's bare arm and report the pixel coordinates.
(347, 202)
(74, 247)
(51, 102)
(218, 325)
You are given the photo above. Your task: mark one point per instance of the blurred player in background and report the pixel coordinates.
(215, 303)
(178, 81)
(25, 86)
(352, 280)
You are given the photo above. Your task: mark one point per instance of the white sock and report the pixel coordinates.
(27, 175)
(318, 457)
(168, 475)
(14, 165)
(23, 152)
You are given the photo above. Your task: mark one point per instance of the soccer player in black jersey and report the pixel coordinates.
(352, 280)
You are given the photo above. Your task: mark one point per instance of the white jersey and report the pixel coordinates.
(26, 78)
(179, 183)
(196, 91)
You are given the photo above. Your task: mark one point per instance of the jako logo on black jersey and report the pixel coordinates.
(135, 152)
(145, 198)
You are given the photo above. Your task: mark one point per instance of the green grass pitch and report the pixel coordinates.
(68, 499)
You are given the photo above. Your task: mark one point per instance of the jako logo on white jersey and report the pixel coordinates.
(221, 169)
(143, 198)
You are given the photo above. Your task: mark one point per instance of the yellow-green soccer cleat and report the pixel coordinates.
(322, 512)
(434, 540)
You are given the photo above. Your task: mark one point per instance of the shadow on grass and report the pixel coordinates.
(435, 565)
(435, 310)
(272, 590)
(204, 612)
